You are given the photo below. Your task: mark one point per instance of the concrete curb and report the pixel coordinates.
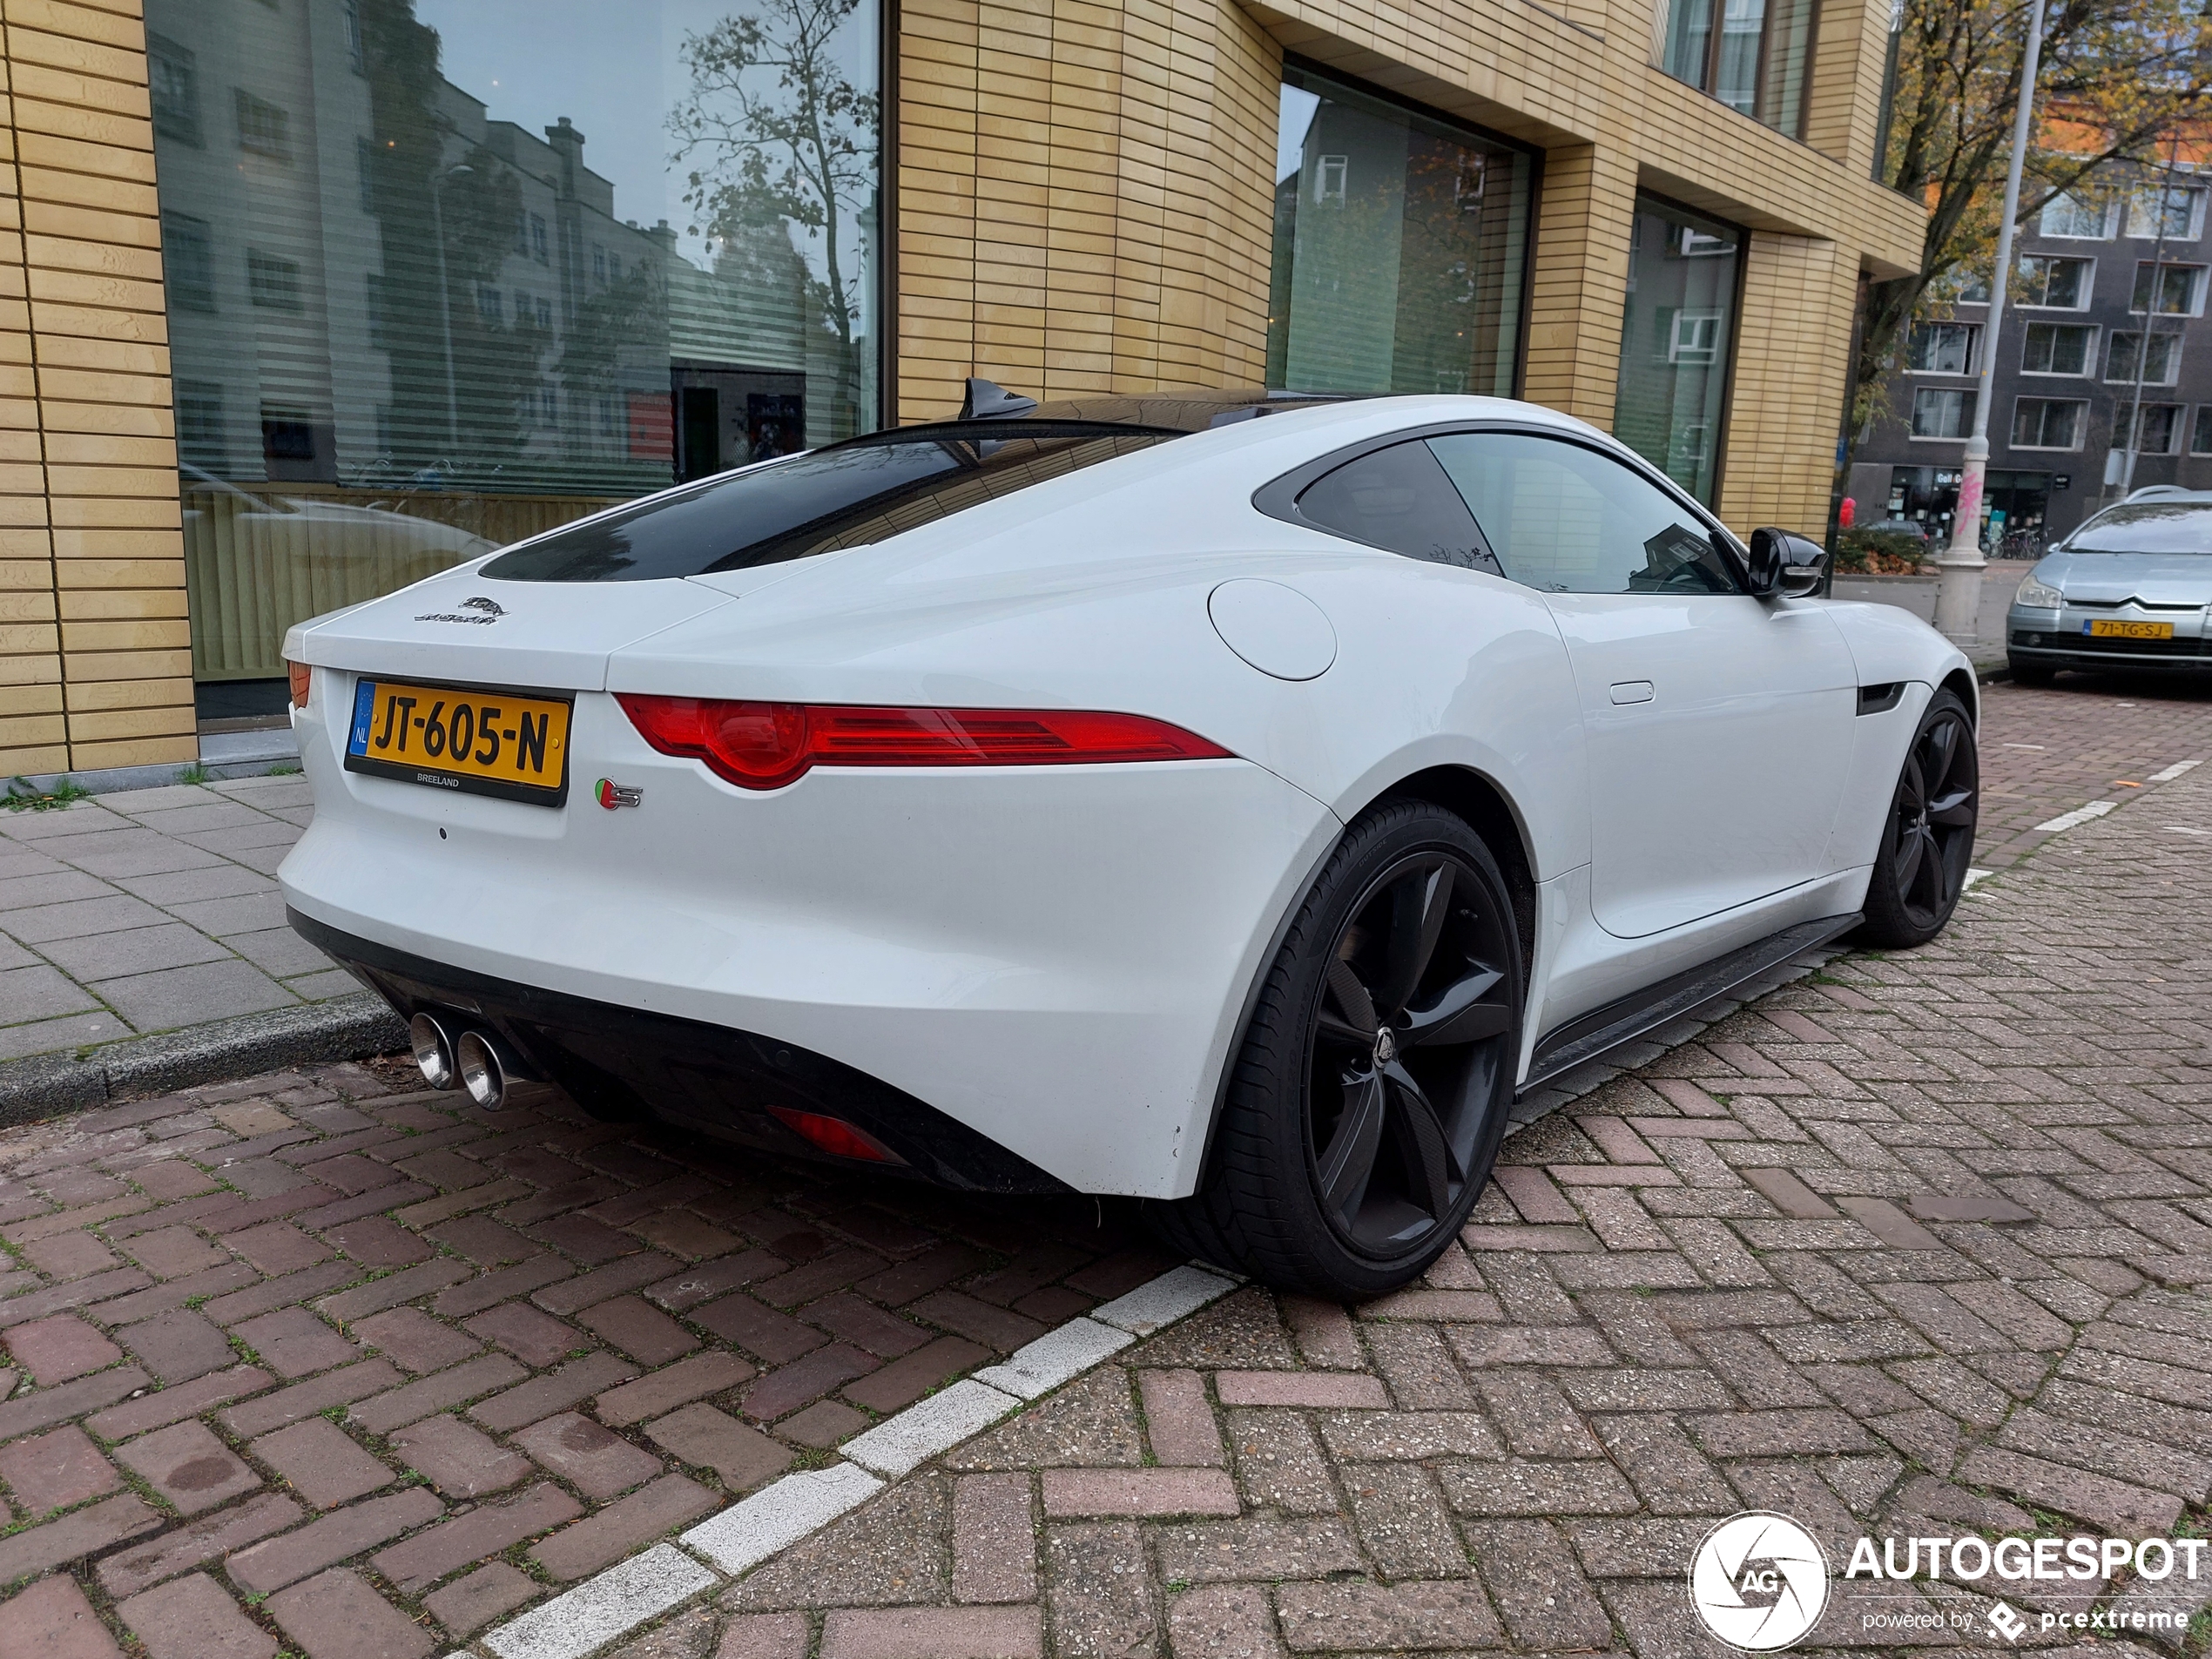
(346, 1027)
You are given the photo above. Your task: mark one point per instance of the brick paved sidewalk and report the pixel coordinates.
(312, 1364)
(149, 911)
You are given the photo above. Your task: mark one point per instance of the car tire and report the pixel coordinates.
(2026, 674)
(1369, 1093)
(1928, 833)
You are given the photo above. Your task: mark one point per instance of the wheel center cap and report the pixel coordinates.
(1386, 1046)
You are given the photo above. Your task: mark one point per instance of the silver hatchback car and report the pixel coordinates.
(2128, 592)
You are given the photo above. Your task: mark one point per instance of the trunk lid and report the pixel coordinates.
(458, 625)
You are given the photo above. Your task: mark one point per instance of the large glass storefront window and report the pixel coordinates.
(1677, 339)
(443, 273)
(1401, 248)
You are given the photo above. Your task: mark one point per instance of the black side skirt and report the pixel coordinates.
(1588, 1035)
(623, 1064)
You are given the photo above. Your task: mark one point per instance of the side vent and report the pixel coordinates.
(1880, 699)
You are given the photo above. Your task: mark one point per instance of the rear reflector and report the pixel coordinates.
(835, 1135)
(302, 677)
(766, 745)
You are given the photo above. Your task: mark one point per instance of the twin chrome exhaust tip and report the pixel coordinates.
(474, 1060)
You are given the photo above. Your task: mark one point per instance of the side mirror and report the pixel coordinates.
(1785, 564)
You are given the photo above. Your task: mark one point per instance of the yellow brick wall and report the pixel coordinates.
(1076, 212)
(1085, 196)
(95, 653)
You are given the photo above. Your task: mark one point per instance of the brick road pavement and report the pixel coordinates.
(312, 1365)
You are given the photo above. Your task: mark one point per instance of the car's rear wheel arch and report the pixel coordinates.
(1486, 810)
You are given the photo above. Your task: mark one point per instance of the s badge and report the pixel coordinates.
(612, 795)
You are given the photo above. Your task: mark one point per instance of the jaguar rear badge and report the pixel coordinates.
(490, 607)
(613, 795)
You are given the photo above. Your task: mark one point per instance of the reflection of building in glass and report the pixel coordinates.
(1674, 339)
(1400, 244)
(382, 298)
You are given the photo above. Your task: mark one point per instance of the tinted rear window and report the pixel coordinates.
(846, 496)
(2146, 526)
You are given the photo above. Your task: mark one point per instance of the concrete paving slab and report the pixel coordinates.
(79, 817)
(321, 987)
(205, 815)
(134, 950)
(248, 913)
(182, 996)
(44, 923)
(62, 886)
(277, 952)
(54, 1036)
(40, 993)
(221, 880)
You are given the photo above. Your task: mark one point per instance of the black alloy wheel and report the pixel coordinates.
(1928, 838)
(1371, 1091)
(1404, 1053)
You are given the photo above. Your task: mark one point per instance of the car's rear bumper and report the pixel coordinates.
(624, 1062)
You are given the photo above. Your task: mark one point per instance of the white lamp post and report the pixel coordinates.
(1959, 572)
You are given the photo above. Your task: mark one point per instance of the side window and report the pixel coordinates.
(1398, 499)
(1565, 519)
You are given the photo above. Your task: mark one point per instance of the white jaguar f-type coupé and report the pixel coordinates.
(1226, 800)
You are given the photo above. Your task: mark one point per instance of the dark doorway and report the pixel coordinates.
(728, 414)
(701, 430)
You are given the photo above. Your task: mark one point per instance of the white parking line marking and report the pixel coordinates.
(1973, 876)
(2023, 745)
(603, 1606)
(2183, 829)
(1164, 1300)
(777, 1516)
(938, 1424)
(1054, 1358)
(2174, 770)
(2079, 815)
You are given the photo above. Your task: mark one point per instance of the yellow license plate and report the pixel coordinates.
(2102, 629)
(482, 740)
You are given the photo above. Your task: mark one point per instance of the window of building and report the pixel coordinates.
(2158, 429)
(1938, 413)
(2048, 422)
(2200, 433)
(2180, 289)
(200, 440)
(375, 181)
(2182, 219)
(599, 265)
(2126, 358)
(2078, 217)
(263, 128)
(188, 261)
(1754, 61)
(1973, 288)
(286, 433)
(2058, 348)
(173, 88)
(1943, 348)
(2062, 284)
(270, 283)
(1400, 244)
(1677, 335)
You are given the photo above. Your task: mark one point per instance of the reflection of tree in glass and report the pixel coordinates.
(782, 134)
(467, 411)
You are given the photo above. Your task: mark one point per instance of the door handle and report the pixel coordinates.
(1632, 692)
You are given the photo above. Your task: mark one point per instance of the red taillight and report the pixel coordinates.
(302, 677)
(766, 745)
(835, 1135)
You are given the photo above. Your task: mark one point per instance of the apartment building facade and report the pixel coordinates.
(2082, 354)
(307, 299)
